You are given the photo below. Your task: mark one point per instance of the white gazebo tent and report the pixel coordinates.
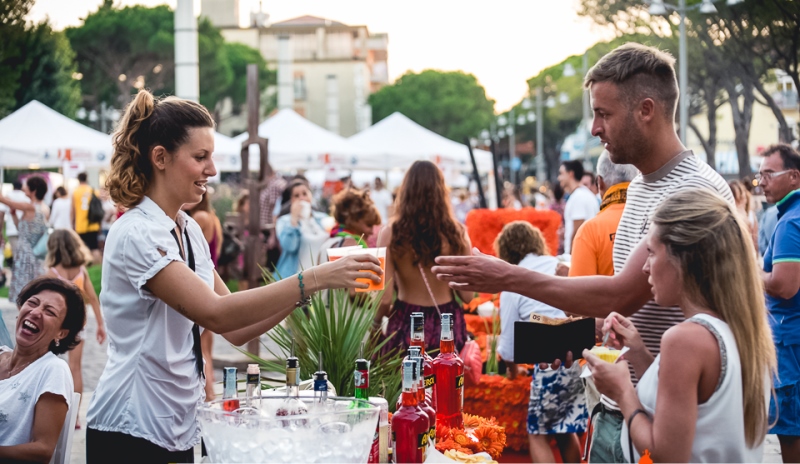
(294, 143)
(36, 135)
(397, 141)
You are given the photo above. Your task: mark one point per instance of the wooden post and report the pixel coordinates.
(252, 246)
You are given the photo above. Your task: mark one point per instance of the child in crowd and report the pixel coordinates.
(557, 405)
(66, 260)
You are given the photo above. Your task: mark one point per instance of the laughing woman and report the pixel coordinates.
(160, 287)
(36, 386)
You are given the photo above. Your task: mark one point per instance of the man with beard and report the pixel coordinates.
(634, 94)
(779, 177)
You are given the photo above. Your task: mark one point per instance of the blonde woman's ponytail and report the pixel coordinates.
(130, 170)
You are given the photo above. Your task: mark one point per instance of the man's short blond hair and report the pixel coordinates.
(640, 72)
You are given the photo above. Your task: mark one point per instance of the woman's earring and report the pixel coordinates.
(57, 342)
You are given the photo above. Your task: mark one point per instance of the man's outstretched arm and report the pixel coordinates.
(594, 296)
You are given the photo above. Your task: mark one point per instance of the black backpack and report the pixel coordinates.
(96, 212)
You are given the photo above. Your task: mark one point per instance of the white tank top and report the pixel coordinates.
(719, 435)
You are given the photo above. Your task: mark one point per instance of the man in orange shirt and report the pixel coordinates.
(593, 247)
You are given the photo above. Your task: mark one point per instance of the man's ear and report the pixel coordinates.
(601, 184)
(158, 157)
(647, 109)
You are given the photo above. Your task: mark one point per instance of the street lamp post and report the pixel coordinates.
(540, 175)
(658, 8)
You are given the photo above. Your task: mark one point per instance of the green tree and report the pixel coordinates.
(563, 117)
(47, 72)
(239, 56)
(122, 49)
(452, 104)
(216, 75)
(12, 34)
(119, 49)
(735, 48)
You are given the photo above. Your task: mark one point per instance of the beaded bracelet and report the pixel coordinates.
(304, 300)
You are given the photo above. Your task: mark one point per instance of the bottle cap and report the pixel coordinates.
(253, 369)
(415, 373)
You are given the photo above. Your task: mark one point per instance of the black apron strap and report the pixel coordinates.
(196, 346)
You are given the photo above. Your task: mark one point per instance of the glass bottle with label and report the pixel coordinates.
(410, 425)
(253, 391)
(449, 370)
(230, 396)
(292, 406)
(422, 398)
(418, 339)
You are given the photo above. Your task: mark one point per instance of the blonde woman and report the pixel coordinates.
(705, 397)
(66, 259)
(160, 287)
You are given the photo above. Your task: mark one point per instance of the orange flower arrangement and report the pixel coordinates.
(507, 400)
(478, 435)
(484, 225)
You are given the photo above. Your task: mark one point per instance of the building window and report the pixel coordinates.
(299, 87)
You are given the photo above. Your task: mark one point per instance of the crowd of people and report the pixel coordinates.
(673, 262)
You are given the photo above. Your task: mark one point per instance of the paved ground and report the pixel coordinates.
(94, 359)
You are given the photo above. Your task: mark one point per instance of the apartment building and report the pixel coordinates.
(326, 69)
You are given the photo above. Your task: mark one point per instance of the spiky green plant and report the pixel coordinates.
(336, 326)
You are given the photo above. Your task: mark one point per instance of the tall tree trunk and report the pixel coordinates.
(742, 116)
(710, 143)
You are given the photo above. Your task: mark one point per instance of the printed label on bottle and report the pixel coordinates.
(253, 379)
(422, 440)
(460, 381)
(321, 385)
(432, 435)
(361, 379)
(430, 381)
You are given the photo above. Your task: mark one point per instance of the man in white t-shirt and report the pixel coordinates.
(581, 205)
(382, 199)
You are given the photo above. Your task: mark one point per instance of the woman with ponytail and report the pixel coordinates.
(705, 398)
(160, 288)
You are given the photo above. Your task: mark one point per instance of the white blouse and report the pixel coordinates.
(150, 387)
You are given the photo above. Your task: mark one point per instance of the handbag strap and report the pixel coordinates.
(428, 286)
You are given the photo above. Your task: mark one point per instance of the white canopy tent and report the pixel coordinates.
(36, 135)
(399, 141)
(297, 143)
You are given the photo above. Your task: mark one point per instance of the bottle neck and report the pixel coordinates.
(362, 394)
(447, 346)
(409, 397)
(420, 343)
(421, 392)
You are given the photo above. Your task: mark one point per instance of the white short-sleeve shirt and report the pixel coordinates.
(20, 393)
(582, 205)
(150, 387)
(515, 307)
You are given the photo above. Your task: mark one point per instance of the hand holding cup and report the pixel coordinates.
(352, 271)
